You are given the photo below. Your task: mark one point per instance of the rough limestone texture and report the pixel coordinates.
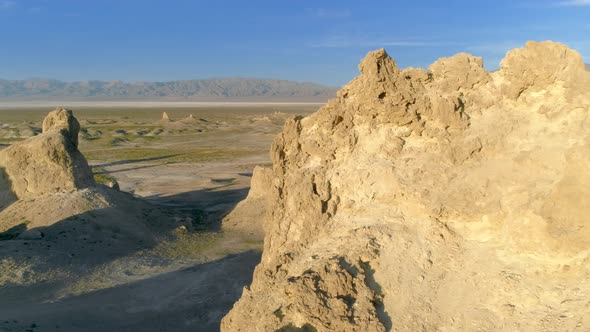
(63, 120)
(47, 163)
(451, 199)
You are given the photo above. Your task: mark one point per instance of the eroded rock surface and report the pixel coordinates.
(47, 163)
(63, 120)
(249, 215)
(47, 187)
(451, 199)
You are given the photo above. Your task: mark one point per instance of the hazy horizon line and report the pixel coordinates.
(164, 81)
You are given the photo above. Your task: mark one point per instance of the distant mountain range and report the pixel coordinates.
(222, 89)
(215, 89)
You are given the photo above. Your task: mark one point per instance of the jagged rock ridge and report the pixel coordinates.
(437, 200)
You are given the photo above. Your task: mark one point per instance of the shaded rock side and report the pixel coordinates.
(248, 216)
(432, 200)
(47, 163)
(63, 120)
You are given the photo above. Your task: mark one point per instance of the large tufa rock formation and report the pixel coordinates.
(439, 200)
(47, 163)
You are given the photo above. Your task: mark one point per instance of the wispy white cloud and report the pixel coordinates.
(574, 3)
(6, 4)
(325, 13)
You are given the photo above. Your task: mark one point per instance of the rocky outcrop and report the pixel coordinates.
(7, 196)
(47, 163)
(189, 119)
(165, 118)
(540, 65)
(63, 120)
(437, 200)
(248, 216)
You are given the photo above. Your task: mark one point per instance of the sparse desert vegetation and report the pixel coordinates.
(178, 178)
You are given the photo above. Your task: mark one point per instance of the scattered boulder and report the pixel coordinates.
(113, 184)
(432, 200)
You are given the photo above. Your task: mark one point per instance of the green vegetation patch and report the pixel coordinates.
(11, 140)
(101, 176)
(188, 245)
(110, 140)
(111, 127)
(166, 155)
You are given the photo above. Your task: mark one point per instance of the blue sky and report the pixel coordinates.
(315, 41)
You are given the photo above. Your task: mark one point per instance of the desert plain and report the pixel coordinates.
(189, 172)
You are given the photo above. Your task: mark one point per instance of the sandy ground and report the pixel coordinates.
(189, 299)
(185, 284)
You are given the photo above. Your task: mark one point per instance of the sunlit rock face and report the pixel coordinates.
(447, 199)
(49, 162)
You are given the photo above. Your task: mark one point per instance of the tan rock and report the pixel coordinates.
(539, 65)
(189, 119)
(460, 72)
(113, 184)
(46, 163)
(7, 195)
(63, 120)
(432, 201)
(249, 215)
